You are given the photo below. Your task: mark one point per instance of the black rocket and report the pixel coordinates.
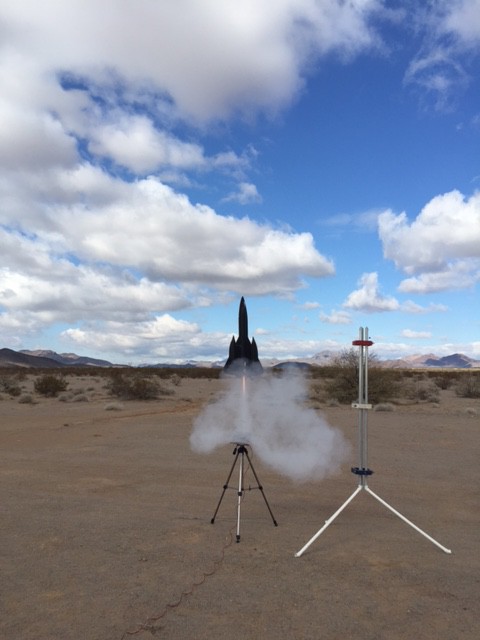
(243, 353)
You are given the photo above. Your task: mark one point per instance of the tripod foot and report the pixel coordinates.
(238, 537)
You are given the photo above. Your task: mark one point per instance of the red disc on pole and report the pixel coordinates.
(362, 343)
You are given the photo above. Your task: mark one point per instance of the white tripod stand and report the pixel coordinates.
(362, 470)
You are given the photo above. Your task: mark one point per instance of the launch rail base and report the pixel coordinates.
(241, 452)
(362, 471)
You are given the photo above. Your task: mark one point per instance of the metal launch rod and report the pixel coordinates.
(362, 471)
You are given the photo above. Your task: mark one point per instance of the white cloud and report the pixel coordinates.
(308, 306)
(235, 57)
(336, 317)
(136, 144)
(412, 307)
(368, 297)
(439, 68)
(246, 194)
(460, 275)
(127, 250)
(463, 20)
(438, 74)
(155, 229)
(442, 244)
(360, 222)
(161, 337)
(415, 335)
(86, 88)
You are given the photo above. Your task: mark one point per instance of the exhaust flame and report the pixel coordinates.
(270, 413)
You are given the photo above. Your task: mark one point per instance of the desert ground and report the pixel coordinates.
(106, 527)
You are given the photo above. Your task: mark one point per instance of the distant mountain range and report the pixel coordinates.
(44, 358)
(417, 361)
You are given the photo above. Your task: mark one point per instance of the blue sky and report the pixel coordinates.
(159, 160)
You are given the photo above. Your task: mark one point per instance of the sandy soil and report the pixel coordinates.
(105, 522)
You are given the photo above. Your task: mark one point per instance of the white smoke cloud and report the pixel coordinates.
(270, 413)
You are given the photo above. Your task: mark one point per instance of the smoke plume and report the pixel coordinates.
(271, 414)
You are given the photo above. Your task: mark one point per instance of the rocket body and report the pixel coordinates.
(243, 352)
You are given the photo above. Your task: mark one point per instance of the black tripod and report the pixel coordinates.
(240, 452)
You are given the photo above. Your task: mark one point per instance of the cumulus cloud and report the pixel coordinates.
(135, 143)
(367, 297)
(234, 56)
(440, 249)
(100, 108)
(162, 337)
(148, 227)
(460, 275)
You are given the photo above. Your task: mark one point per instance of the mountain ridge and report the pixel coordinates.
(46, 358)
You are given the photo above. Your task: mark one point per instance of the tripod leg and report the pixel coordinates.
(261, 488)
(414, 526)
(329, 521)
(225, 487)
(240, 493)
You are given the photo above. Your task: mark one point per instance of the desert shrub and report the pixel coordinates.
(26, 398)
(333, 402)
(317, 392)
(78, 392)
(50, 385)
(10, 386)
(443, 380)
(420, 389)
(175, 380)
(133, 387)
(342, 384)
(468, 386)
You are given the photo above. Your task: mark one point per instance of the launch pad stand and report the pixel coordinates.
(362, 471)
(241, 452)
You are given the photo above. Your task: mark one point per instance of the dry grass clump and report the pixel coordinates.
(114, 406)
(384, 406)
(26, 398)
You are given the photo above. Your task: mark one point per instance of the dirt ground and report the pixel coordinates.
(105, 521)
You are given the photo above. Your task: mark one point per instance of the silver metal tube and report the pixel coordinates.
(402, 517)
(240, 494)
